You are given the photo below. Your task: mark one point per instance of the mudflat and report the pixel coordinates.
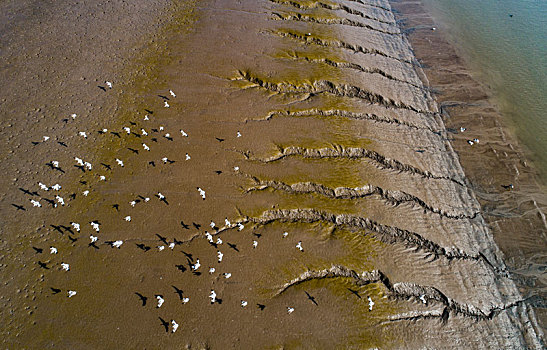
(245, 174)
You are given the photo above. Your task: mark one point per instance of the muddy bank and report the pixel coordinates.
(261, 174)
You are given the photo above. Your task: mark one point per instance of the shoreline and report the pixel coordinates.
(295, 124)
(447, 78)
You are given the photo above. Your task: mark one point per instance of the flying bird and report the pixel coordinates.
(71, 293)
(172, 93)
(370, 304)
(299, 246)
(213, 296)
(65, 266)
(160, 300)
(175, 325)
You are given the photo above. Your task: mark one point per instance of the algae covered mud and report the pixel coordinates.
(261, 174)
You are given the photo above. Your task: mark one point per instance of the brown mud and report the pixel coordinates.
(332, 190)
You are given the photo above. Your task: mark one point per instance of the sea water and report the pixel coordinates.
(504, 42)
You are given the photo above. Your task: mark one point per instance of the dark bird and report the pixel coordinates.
(38, 250)
(106, 166)
(508, 187)
(163, 239)
(311, 298)
(165, 324)
(219, 139)
(188, 256)
(115, 133)
(178, 292)
(55, 290)
(143, 247)
(136, 151)
(261, 306)
(184, 226)
(152, 163)
(142, 298)
(62, 143)
(355, 292)
(57, 228)
(18, 207)
(420, 150)
(65, 120)
(218, 172)
(101, 87)
(510, 15)
(233, 246)
(181, 267)
(197, 226)
(73, 239)
(43, 265)
(116, 206)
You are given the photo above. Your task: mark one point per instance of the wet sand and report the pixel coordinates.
(342, 147)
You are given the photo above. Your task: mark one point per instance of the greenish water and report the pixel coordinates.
(509, 54)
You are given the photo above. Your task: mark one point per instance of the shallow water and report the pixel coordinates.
(509, 54)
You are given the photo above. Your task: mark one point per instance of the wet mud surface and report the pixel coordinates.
(260, 174)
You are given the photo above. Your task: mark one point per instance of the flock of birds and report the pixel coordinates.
(76, 227)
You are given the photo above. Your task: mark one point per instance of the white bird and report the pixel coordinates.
(161, 247)
(79, 161)
(52, 250)
(65, 266)
(93, 238)
(219, 241)
(83, 134)
(172, 245)
(290, 310)
(35, 203)
(161, 128)
(172, 93)
(211, 270)
(209, 237)
(102, 178)
(213, 296)
(240, 226)
(187, 156)
(227, 222)
(127, 130)
(183, 133)
(236, 168)
(255, 244)
(165, 159)
(127, 218)
(168, 135)
(370, 304)
(146, 148)
(470, 142)
(55, 163)
(144, 133)
(105, 130)
(201, 192)
(147, 199)
(166, 105)
(60, 200)
(238, 134)
(185, 300)
(476, 140)
(212, 224)
(56, 187)
(227, 275)
(299, 246)
(462, 129)
(133, 203)
(196, 266)
(175, 325)
(243, 303)
(146, 117)
(285, 234)
(88, 165)
(76, 226)
(160, 300)
(422, 298)
(220, 255)
(46, 138)
(109, 84)
(117, 244)
(95, 225)
(161, 196)
(120, 162)
(43, 187)
(71, 293)
(85, 193)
